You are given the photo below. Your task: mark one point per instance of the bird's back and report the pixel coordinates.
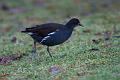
(43, 29)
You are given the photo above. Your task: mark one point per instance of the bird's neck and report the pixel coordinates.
(70, 30)
(70, 25)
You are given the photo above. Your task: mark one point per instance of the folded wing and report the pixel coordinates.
(44, 29)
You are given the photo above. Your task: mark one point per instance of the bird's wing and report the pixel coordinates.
(44, 29)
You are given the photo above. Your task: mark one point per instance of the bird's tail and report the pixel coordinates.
(26, 30)
(23, 31)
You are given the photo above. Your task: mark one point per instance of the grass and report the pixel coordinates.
(73, 59)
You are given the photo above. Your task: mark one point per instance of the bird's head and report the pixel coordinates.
(73, 23)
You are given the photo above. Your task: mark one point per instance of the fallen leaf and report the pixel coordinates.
(107, 35)
(6, 60)
(55, 69)
(4, 75)
(14, 39)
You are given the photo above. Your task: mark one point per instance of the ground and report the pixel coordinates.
(85, 56)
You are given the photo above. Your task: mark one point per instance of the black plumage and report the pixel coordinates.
(51, 34)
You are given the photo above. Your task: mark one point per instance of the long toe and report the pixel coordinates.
(34, 55)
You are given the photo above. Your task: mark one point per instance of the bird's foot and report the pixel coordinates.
(34, 55)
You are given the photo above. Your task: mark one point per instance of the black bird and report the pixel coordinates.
(51, 34)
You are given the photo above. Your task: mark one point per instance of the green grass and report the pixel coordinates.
(73, 57)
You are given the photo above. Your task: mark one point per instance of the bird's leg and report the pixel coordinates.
(34, 47)
(34, 54)
(49, 51)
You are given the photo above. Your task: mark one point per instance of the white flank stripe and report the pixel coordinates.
(30, 33)
(44, 39)
(51, 33)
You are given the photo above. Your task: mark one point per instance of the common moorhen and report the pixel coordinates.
(51, 34)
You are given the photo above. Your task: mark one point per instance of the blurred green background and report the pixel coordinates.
(54, 9)
(30, 12)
